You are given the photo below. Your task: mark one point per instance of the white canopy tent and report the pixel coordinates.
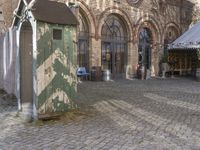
(189, 40)
(185, 52)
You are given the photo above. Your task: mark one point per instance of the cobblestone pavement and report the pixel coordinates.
(128, 114)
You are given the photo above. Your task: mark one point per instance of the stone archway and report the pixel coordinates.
(124, 19)
(147, 22)
(83, 42)
(122, 15)
(170, 34)
(114, 45)
(86, 37)
(89, 16)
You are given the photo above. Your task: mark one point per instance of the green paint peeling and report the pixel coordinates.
(70, 45)
(53, 87)
(59, 105)
(59, 66)
(44, 43)
(61, 56)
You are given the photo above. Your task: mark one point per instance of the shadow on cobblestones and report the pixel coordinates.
(156, 114)
(65, 118)
(7, 102)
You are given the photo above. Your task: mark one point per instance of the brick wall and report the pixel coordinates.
(97, 6)
(8, 6)
(171, 12)
(157, 15)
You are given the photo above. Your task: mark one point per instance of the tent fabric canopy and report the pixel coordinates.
(189, 40)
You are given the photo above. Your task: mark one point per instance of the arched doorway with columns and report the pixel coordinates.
(148, 40)
(114, 45)
(115, 40)
(86, 36)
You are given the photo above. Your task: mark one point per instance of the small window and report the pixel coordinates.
(57, 34)
(170, 34)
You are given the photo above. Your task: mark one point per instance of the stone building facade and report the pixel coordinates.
(7, 7)
(119, 35)
(2, 25)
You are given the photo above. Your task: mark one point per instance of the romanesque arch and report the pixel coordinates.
(149, 26)
(85, 33)
(119, 48)
(84, 10)
(83, 41)
(149, 22)
(114, 43)
(170, 33)
(121, 14)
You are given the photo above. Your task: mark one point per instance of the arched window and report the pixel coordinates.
(170, 35)
(83, 43)
(144, 47)
(114, 44)
(113, 30)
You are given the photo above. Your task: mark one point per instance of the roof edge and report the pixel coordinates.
(17, 9)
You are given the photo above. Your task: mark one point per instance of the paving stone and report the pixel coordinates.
(156, 114)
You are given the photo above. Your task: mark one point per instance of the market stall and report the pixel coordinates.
(184, 52)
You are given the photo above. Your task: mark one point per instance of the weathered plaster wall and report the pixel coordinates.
(56, 68)
(8, 61)
(8, 7)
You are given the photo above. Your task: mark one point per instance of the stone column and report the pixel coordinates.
(132, 59)
(95, 52)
